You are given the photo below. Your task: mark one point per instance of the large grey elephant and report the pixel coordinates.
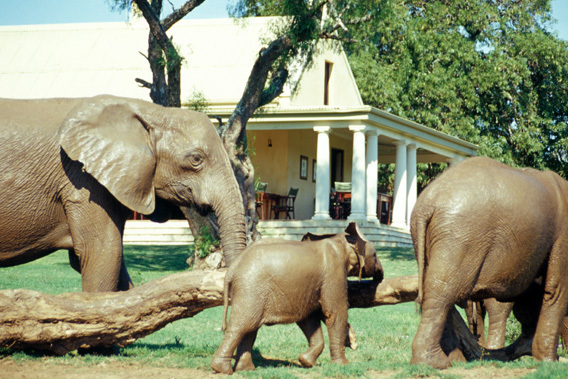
(72, 170)
(486, 230)
(278, 282)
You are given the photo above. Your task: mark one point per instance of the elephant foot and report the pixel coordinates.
(222, 365)
(351, 339)
(245, 364)
(436, 359)
(307, 359)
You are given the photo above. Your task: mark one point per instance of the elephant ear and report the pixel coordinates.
(112, 141)
(360, 243)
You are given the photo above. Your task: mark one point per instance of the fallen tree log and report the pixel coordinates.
(461, 345)
(66, 322)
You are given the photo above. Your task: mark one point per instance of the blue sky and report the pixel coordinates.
(22, 12)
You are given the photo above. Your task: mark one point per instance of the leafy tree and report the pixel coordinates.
(163, 57)
(295, 38)
(488, 71)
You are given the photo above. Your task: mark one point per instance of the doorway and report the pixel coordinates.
(336, 166)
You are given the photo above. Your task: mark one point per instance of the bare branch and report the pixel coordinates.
(180, 13)
(143, 83)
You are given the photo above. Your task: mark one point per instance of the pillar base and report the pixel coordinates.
(321, 216)
(372, 218)
(359, 216)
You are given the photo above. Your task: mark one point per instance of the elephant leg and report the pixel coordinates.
(97, 242)
(564, 332)
(426, 346)
(241, 333)
(498, 313)
(335, 310)
(351, 339)
(243, 359)
(443, 287)
(475, 313)
(311, 326)
(553, 310)
(221, 361)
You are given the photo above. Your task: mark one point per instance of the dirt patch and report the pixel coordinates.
(120, 370)
(110, 370)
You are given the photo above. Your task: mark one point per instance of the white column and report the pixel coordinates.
(400, 187)
(358, 182)
(323, 176)
(412, 180)
(372, 175)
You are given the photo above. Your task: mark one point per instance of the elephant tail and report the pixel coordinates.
(226, 289)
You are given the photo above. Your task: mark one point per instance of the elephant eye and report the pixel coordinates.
(195, 159)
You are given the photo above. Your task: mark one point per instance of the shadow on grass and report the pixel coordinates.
(156, 258)
(396, 253)
(260, 361)
(31, 353)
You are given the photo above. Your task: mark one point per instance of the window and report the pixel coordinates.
(328, 68)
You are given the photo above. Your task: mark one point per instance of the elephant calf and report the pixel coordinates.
(278, 282)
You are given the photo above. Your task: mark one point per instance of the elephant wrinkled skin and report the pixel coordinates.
(72, 170)
(486, 230)
(276, 281)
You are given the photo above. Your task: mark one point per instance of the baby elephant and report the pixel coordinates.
(276, 281)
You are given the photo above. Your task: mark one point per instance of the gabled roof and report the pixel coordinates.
(77, 60)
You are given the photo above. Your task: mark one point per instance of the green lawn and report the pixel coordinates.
(384, 333)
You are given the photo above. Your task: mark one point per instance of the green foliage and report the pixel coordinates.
(487, 72)
(197, 102)
(513, 330)
(303, 24)
(205, 243)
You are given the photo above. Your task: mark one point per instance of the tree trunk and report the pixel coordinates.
(62, 323)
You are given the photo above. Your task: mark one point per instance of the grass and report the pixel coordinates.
(384, 333)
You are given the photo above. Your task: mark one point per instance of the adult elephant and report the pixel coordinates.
(72, 170)
(482, 230)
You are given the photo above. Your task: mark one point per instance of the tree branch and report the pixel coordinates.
(250, 99)
(180, 13)
(143, 83)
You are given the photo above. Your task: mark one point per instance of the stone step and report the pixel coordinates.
(177, 232)
(145, 232)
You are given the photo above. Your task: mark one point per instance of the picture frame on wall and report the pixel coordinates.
(314, 170)
(303, 167)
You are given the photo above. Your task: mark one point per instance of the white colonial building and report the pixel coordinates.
(318, 124)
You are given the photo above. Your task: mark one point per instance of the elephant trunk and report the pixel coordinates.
(230, 216)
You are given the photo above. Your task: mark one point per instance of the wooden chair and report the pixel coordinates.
(342, 200)
(259, 191)
(384, 208)
(286, 204)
